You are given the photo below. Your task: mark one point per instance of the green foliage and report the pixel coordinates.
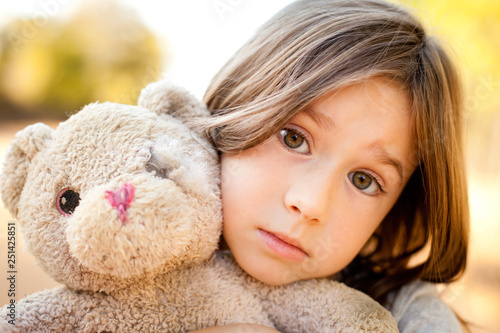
(51, 68)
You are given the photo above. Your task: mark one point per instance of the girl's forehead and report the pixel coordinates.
(371, 95)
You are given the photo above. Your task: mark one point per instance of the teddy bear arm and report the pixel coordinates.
(55, 310)
(325, 306)
(217, 294)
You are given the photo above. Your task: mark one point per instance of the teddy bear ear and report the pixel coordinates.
(26, 144)
(163, 97)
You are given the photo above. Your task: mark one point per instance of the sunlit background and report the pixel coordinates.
(58, 55)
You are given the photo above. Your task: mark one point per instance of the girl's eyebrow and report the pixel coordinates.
(385, 158)
(320, 119)
(380, 152)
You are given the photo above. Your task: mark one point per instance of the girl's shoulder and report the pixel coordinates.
(417, 308)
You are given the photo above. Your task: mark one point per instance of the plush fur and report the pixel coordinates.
(121, 204)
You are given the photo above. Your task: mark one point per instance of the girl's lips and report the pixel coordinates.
(282, 245)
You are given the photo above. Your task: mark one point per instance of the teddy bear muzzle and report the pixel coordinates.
(130, 226)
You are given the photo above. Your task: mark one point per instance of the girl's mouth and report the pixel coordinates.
(283, 245)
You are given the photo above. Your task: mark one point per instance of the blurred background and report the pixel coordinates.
(58, 55)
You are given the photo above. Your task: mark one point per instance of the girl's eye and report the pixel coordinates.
(295, 141)
(364, 182)
(66, 202)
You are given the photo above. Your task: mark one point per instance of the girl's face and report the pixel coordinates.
(303, 203)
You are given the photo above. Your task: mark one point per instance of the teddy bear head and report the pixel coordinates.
(116, 193)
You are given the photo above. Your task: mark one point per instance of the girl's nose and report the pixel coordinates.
(310, 197)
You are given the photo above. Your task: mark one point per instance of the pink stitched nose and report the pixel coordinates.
(121, 200)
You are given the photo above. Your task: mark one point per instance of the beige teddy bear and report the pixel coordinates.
(121, 204)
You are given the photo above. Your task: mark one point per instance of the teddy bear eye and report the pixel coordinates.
(153, 167)
(67, 201)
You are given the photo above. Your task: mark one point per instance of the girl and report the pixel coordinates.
(340, 131)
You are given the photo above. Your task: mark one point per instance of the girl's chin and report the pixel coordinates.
(271, 274)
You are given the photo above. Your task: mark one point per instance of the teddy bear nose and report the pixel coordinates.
(121, 200)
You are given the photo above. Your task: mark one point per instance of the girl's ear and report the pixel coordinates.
(163, 97)
(26, 144)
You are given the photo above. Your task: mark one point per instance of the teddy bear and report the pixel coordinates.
(121, 204)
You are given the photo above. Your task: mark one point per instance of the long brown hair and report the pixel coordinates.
(311, 48)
